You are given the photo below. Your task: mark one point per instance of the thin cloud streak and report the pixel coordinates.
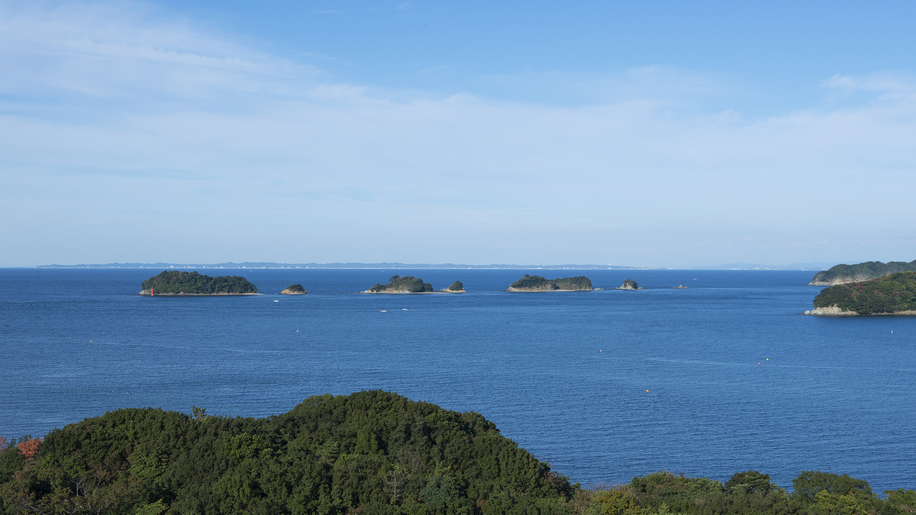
(243, 143)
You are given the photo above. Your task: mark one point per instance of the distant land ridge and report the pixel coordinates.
(846, 274)
(356, 266)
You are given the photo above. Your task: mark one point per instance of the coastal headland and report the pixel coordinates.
(893, 294)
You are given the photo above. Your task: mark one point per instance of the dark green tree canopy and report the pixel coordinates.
(407, 284)
(175, 282)
(889, 294)
(369, 452)
(862, 271)
(538, 283)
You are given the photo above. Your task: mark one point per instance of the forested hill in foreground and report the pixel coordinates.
(893, 293)
(845, 274)
(369, 452)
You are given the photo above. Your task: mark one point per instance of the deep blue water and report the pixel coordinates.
(720, 378)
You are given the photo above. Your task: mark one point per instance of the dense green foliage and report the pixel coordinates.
(398, 284)
(536, 282)
(175, 282)
(816, 493)
(456, 286)
(370, 452)
(889, 294)
(295, 288)
(863, 271)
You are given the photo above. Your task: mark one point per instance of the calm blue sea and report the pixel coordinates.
(722, 377)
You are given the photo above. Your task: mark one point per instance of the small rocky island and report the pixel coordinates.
(629, 284)
(846, 274)
(455, 287)
(398, 284)
(536, 283)
(893, 294)
(294, 289)
(175, 283)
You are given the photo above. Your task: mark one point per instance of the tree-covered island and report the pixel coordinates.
(455, 287)
(398, 284)
(368, 452)
(294, 289)
(530, 283)
(893, 294)
(629, 284)
(171, 283)
(845, 274)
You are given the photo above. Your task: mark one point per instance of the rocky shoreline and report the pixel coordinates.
(835, 311)
(538, 290)
(147, 293)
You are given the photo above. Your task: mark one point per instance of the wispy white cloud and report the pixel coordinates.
(120, 50)
(241, 140)
(882, 82)
(659, 84)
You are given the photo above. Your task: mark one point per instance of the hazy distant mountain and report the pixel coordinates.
(757, 266)
(386, 265)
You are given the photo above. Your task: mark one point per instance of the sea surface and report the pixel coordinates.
(721, 377)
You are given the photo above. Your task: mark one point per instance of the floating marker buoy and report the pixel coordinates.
(647, 391)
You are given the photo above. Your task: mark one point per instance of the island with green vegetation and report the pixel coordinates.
(845, 274)
(629, 284)
(455, 287)
(536, 283)
(893, 294)
(294, 289)
(398, 284)
(174, 283)
(368, 452)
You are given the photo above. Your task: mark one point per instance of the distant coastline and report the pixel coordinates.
(416, 266)
(348, 266)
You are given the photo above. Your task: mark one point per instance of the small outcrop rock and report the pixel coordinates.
(294, 289)
(629, 284)
(455, 287)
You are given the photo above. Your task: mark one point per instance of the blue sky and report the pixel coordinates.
(667, 134)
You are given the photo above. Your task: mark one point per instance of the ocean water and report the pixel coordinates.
(722, 377)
